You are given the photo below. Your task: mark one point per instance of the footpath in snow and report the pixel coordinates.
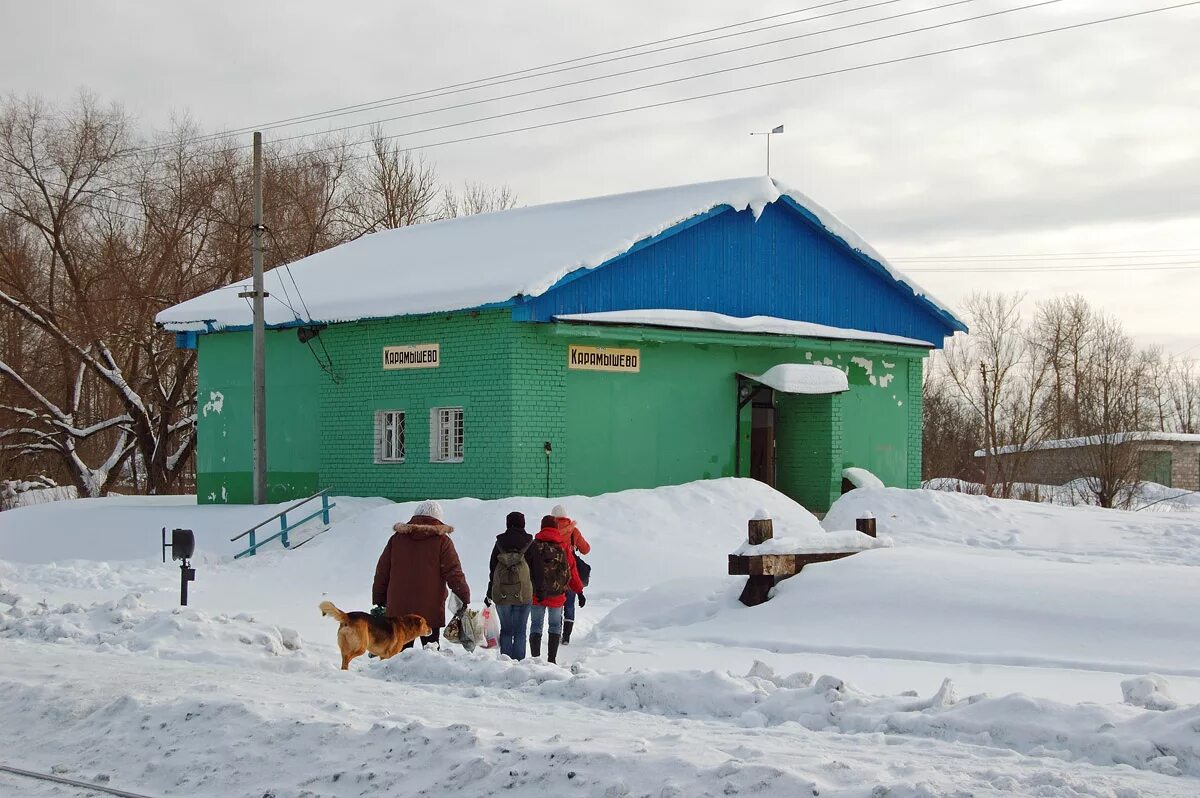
(838, 685)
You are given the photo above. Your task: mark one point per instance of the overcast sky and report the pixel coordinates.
(1086, 141)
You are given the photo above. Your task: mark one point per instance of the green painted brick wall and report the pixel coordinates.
(809, 448)
(672, 422)
(223, 444)
(474, 374)
(915, 421)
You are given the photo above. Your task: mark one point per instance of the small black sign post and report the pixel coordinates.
(183, 546)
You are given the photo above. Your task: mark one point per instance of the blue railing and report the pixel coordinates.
(284, 526)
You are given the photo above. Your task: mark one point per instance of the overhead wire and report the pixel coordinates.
(469, 85)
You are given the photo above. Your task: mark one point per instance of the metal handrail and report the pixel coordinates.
(280, 513)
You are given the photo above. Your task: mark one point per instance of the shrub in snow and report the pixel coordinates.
(1149, 692)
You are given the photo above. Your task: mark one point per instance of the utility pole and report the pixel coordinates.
(259, 380)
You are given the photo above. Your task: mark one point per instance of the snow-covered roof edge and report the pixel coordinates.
(840, 230)
(1096, 440)
(753, 194)
(719, 322)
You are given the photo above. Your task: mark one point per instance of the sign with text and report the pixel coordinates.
(598, 358)
(416, 356)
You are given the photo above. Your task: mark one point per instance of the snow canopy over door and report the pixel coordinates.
(802, 378)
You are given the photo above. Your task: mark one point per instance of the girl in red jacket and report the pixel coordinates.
(550, 548)
(580, 545)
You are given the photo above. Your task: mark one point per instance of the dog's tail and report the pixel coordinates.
(327, 608)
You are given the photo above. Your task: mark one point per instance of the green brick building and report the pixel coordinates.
(636, 340)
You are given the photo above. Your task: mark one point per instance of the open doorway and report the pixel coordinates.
(762, 436)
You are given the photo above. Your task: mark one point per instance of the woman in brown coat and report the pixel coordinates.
(418, 563)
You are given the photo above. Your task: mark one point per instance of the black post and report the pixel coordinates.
(866, 525)
(186, 574)
(548, 449)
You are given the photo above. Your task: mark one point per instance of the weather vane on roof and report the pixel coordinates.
(776, 129)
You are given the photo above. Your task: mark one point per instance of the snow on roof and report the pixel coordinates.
(803, 378)
(485, 259)
(1096, 440)
(704, 320)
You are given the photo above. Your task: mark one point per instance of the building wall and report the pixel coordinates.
(1060, 466)
(474, 373)
(223, 443)
(676, 419)
(809, 448)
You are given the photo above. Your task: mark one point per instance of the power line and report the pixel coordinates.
(1109, 267)
(634, 71)
(690, 59)
(784, 81)
(1129, 253)
(659, 84)
(810, 76)
(370, 104)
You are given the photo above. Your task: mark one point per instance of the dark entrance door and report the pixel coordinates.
(762, 436)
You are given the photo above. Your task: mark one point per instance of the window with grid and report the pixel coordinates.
(446, 426)
(389, 433)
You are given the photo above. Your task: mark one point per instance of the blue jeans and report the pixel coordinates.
(569, 610)
(514, 620)
(537, 620)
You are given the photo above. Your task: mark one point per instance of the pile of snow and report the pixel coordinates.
(1080, 534)
(1112, 735)
(953, 605)
(1144, 496)
(22, 493)
(862, 478)
(118, 528)
(828, 543)
(1150, 691)
(128, 625)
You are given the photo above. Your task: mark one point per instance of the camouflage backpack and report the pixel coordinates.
(556, 573)
(510, 581)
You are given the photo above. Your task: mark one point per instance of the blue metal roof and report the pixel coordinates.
(784, 264)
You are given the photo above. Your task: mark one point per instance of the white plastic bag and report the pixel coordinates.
(491, 627)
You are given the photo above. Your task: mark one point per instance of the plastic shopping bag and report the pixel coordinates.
(491, 627)
(465, 628)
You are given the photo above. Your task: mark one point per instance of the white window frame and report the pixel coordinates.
(447, 434)
(396, 420)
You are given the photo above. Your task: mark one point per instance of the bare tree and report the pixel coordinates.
(476, 198)
(951, 432)
(395, 189)
(1184, 391)
(998, 373)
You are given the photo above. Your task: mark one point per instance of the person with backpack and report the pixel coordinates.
(551, 558)
(417, 566)
(511, 584)
(579, 545)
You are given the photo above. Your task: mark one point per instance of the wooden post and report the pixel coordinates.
(758, 587)
(866, 525)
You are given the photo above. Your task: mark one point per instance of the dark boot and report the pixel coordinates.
(535, 645)
(552, 648)
(566, 635)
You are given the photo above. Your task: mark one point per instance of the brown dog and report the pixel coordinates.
(361, 632)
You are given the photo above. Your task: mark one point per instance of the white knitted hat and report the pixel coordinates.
(559, 511)
(429, 508)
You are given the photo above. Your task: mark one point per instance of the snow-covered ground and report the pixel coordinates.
(994, 648)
